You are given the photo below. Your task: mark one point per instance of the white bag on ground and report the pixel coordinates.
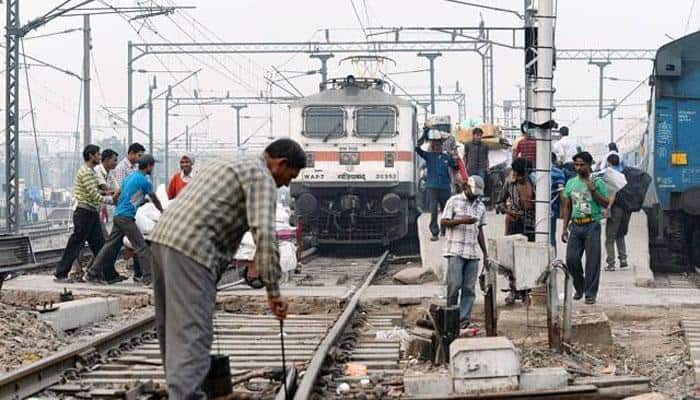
(288, 256)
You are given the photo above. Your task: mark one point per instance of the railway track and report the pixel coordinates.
(126, 363)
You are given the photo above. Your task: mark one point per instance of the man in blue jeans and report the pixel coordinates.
(464, 217)
(439, 180)
(584, 200)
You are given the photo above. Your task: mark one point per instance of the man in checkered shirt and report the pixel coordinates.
(199, 234)
(464, 216)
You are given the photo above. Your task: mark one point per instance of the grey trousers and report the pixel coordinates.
(184, 294)
(584, 238)
(103, 264)
(615, 231)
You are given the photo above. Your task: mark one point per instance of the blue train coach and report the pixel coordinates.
(673, 157)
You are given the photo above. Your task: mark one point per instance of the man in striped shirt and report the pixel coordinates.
(86, 217)
(197, 236)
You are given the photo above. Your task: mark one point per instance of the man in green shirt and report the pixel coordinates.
(584, 200)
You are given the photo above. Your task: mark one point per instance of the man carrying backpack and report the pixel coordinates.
(622, 204)
(617, 225)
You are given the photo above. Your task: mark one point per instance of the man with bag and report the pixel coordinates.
(617, 224)
(583, 200)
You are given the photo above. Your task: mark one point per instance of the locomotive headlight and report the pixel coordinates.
(349, 158)
(391, 203)
(389, 159)
(310, 159)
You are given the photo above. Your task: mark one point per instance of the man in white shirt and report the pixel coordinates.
(464, 216)
(565, 149)
(106, 183)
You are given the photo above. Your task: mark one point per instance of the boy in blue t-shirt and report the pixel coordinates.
(135, 188)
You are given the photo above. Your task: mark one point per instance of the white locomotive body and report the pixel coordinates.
(360, 182)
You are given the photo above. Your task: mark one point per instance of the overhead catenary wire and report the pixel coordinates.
(36, 139)
(690, 14)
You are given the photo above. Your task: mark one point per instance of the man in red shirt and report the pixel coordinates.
(182, 178)
(526, 148)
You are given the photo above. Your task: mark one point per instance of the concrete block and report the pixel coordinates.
(420, 344)
(593, 328)
(430, 384)
(648, 396)
(78, 313)
(485, 385)
(501, 249)
(431, 253)
(531, 259)
(543, 378)
(489, 357)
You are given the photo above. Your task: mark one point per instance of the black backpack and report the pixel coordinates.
(631, 197)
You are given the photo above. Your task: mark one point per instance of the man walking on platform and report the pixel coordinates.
(86, 217)
(197, 236)
(464, 216)
(133, 194)
(129, 163)
(617, 224)
(104, 173)
(476, 155)
(439, 183)
(584, 200)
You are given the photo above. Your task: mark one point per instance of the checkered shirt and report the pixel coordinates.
(462, 240)
(224, 200)
(123, 169)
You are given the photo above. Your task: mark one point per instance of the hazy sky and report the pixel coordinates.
(580, 24)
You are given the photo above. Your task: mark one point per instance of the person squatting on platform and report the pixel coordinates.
(86, 217)
(197, 236)
(583, 201)
(464, 217)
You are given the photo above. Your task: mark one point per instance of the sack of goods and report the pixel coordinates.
(492, 138)
(631, 197)
(614, 180)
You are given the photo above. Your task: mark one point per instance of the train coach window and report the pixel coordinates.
(324, 122)
(376, 122)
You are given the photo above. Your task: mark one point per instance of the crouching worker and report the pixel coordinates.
(464, 217)
(200, 232)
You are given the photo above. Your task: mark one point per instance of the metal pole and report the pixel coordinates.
(543, 114)
(12, 38)
(431, 58)
(150, 116)
(130, 95)
(87, 134)
(612, 124)
(324, 67)
(238, 108)
(601, 65)
(167, 132)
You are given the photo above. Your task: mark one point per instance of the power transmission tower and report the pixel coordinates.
(15, 32)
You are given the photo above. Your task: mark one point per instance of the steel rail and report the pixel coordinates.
(314, 367)
(33, 378)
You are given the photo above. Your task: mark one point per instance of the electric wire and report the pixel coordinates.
(36, 139)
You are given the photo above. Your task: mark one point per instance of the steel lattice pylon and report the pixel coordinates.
(12, 38)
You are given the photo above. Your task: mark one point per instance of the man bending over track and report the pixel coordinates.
(196, 236)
